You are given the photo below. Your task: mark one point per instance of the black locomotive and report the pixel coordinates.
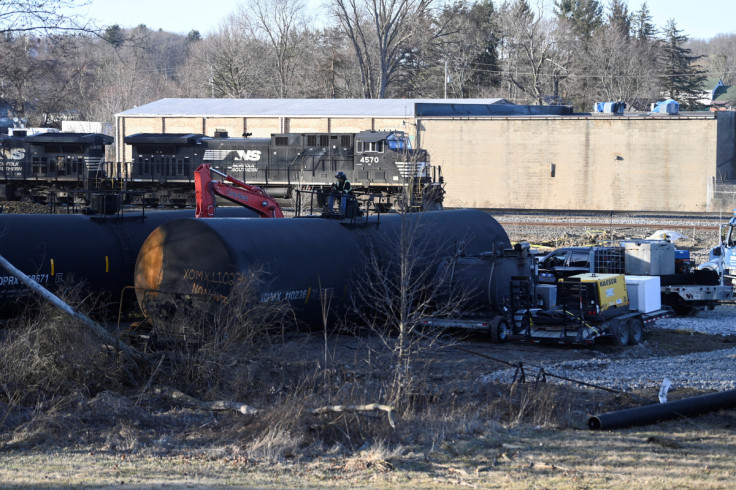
(67, 167)
(36, 166)
(375, 161)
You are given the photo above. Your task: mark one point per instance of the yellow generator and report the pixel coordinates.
(597, 296)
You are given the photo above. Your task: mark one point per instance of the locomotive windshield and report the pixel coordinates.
(397, 141)
(377, 141)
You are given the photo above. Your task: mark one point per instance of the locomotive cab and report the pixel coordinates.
(387, 157)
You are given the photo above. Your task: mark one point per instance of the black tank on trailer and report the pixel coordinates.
(64, 250)
(486, 279)
(297, 256)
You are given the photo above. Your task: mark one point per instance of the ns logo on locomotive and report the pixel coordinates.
(63, 166)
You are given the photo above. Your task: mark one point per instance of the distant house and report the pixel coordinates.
(719, 96)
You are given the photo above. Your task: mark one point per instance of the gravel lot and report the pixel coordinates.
(643, 366)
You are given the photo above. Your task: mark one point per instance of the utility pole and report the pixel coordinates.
(445, 79)
(212, 80)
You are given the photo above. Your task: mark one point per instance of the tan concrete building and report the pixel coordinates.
(602, 162)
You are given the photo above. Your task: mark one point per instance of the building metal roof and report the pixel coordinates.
(294, 107)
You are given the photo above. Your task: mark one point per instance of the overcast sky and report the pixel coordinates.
(698, 19)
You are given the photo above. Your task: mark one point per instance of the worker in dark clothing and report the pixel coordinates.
(342, 189)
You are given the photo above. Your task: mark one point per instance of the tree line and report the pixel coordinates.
(54, 66)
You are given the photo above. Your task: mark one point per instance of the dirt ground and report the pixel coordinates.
(535, 436)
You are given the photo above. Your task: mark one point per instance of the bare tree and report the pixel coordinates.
(379, 30)
(37, 76)
(404, 284)
(330, 69)
(464, 54)
(26, 16)
(226, 64)
(718, 56)
(280, 25)
(139, 67)
(614, 67)
(528, 52)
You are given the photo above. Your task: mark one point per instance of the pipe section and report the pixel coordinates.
(651, 414)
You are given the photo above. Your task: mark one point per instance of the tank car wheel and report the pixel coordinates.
(636, 331)
(499, 330)
(621, 333)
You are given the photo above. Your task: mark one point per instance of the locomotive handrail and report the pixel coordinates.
(367, 199)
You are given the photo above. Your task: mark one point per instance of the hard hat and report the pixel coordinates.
(341, 175)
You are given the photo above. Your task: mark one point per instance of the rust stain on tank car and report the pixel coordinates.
(148, 278)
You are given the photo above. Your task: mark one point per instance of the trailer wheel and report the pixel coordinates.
(684, 310)
(636, 331)
(621, 333)
(499, 330)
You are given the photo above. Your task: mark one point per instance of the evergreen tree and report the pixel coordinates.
(585, 16)
(644, 29)
(114, 35)
(486, 64)
(682, 78)
(619, 17)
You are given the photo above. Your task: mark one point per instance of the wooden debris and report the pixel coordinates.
(358, 408)
(219, 405)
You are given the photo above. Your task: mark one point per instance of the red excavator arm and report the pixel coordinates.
(250, 196)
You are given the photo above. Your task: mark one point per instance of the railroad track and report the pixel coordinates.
(602, 224)
(608, 215)
(601, 220)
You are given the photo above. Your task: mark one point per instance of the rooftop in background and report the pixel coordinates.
(725, 93)
(340, 107)
(718, 95)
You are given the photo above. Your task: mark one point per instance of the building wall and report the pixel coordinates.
(586, 163)
(132, 125)
(180, 125)
(307, 125)
(262, 127)
(233, 125)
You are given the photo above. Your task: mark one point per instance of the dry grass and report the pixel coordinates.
(502, 458)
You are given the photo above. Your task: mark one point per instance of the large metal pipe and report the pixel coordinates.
(299, 256)
(651, 414)
(63, 250)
